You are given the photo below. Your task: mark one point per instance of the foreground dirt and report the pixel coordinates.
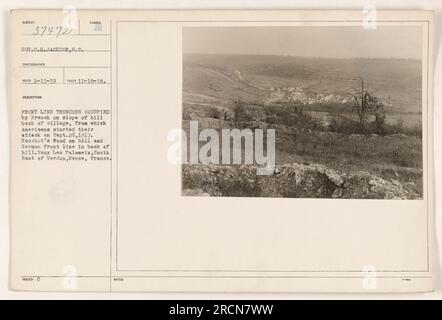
(290, 180)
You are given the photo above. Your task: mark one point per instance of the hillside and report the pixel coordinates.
(316, 82)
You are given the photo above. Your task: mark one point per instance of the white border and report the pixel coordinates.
(6, 5)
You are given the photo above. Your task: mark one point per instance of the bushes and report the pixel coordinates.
(396, 128)
(399, 128)
(245, 116)
(348, 126)
(293, 116)
(215, 113)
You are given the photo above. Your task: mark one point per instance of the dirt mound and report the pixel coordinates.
(290, 180)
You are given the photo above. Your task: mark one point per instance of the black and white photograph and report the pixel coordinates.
(303, 112)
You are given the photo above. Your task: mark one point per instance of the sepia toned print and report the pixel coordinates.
(323, 112)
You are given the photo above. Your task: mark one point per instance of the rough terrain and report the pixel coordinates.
(290, 180)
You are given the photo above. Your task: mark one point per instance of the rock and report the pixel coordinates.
(291, 180)
(396, 183)
(334, 177)
(337, 193)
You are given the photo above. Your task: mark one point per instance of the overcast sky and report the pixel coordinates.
(326, 42)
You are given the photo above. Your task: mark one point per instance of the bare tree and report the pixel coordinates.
(241, 116)
(365, 103)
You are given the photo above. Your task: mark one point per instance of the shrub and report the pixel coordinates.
(292, 116)
(215, 113)
(396, 128)
(378, 126)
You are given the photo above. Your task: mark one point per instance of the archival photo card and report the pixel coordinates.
(222, 151)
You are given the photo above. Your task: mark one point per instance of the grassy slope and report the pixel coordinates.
(391, 157)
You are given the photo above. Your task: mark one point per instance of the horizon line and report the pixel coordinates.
(297, 56)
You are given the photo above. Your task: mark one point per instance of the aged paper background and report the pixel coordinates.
(133, 227)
